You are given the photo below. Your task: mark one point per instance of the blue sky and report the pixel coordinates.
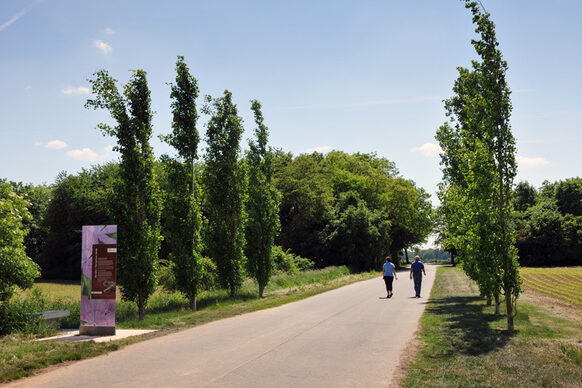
(366, 76)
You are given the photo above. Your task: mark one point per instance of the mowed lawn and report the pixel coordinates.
(564, 283)
(464, 344)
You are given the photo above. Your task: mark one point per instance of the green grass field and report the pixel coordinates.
(464, 344)
(564, 283)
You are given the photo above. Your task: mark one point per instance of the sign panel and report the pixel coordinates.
(103, 276)
(98, 279)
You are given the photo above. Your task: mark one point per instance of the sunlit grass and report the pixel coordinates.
(464, 343)
(564, 283)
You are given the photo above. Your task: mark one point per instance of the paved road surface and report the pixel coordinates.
(347, 337)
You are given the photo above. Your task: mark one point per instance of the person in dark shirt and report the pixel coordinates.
(416, 271)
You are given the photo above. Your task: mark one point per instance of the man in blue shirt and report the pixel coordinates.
(416, 271)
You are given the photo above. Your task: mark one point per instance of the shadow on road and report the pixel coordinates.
(468, 324)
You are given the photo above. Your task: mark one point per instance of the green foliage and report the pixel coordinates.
(356, 233)
(225, 185)
(524, 196)
(547, 232)
(77, 200)
(16, 269)
(262, 204)
(479, 167)
(183, 219)
(392, 209)
(284, 261)
(136, 202)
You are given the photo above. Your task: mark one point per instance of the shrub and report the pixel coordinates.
(287, 262)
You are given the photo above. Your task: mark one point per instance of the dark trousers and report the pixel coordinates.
(417, 276)
(388, 280)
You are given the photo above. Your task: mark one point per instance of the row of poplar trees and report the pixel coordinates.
(242, 202)
(479, 167)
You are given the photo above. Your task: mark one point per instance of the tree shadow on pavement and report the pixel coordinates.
(467, 324)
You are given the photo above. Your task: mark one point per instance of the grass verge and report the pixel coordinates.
(464, 344)
(21, 356)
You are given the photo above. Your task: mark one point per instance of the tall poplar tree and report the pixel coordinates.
(136, 201)
(224, 179)
(262, 205)
(479, 167)
(183, 219)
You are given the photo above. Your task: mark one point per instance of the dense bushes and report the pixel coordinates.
(549, 223)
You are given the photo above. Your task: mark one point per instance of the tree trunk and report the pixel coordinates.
(261, 289)
(497, 305)
(488, 300)
(406, 253)
(232, 293)
(193, 304)
(509, 304)
(141, 306)
(453, 260)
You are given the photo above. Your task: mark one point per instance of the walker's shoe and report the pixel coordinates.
(388, 296)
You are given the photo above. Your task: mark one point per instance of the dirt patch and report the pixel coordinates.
(406, 358)
(554, 306)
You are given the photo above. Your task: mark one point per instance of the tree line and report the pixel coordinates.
(548, 223)
(225, 210)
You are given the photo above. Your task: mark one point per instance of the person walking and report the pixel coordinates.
(389, 274)
(416, 271)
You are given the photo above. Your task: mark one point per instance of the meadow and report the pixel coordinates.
(564, 283)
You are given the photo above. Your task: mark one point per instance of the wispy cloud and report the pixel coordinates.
(368, 103)
(20, 14)
(27, 87)
(428, 149)
(104, 47)
(322, 149)
(56, 144)
(37, 143)
(109, 31)
(79, 90)
(87, 154)
(531, 162)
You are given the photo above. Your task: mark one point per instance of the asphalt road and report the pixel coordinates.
(348, 337)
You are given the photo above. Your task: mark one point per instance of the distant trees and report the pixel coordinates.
(182, 193)
(343, 209)
(76, 200)
(479, 167)
(225, 187)
(549, 228)
(136, 201)
(16, 269)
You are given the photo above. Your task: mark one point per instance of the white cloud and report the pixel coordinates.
(20, 14)
(79, 90)
(322, 149)
(104, 47)
(56, 144)
(84, 154)
(428, 149)
(109, 31)
(87, 154)
(531, 162)
(37, 143)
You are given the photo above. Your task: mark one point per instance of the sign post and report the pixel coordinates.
(98, 280)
